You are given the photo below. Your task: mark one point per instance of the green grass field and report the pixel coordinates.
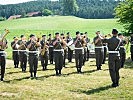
(62, 24)
(91, 85)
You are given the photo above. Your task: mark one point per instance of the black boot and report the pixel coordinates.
(1, 79)
(31, 75)
(34, 74)
(43, 68)
(114, 85)
(57, 72)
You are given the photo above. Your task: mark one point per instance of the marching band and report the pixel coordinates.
(59, 48)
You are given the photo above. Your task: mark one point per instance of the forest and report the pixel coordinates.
(92, 9)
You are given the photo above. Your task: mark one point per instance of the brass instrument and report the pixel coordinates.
(22, 46)
(44, 49)
(84, 43)
(63, 40)
(2, 38)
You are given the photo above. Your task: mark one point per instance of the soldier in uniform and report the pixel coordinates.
(70, 52)
(122, 49)
(131, 48)
(79, 52)
(58, 54)
(15, 53)
(3, 46)
(87, 41)
(63, 43)
(104, 51)
(44, 52)
(51, 48)
(22, 53)
(98, 50)
(114, 57)
(84, 43)
(33, 45)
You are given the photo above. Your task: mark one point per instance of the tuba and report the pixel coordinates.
(2, 38)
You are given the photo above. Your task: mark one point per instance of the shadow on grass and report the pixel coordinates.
(128, 64)
(90, 71)
(93, 91)
(15, 72)
(20, 79)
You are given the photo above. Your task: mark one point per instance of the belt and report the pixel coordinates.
(2, 52)
(51, 46)
(58, 49)
(104, 46)
(21, 50)
(121, 46)
(33, 51)
(78, 48)
(99, 47)
(113, 51)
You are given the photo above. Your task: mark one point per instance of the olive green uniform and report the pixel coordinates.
(2, 62)
(79, 53)
(98, 53)
(15, 55)
(23, 55)
(58, 56)
(114, 58)
(122, 52)
(33, 58)
(44, 58)
(51, 48)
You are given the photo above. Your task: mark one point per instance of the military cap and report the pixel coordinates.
(22, 36)
(114, 31)
(43, 35)
(77, 32)
(56, 33)
(68, 33)
(32, 35)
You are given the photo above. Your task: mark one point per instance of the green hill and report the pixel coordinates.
(59, 23)
(52, 24)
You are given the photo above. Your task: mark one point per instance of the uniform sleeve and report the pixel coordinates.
(105, 40)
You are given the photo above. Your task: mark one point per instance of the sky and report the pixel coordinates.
(3, 2)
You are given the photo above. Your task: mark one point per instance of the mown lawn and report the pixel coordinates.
(62, 24)
(90, 85)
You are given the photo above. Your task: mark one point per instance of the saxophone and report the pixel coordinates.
(2, 38)
(44, 49)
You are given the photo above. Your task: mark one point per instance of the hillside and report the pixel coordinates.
(62, 24)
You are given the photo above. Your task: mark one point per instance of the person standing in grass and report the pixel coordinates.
(122, 49)
(79, 52)
(44, 53)
(58, 53)
(70, 52)
(64, 45)
(51, 48)
(33, 45)
(114, 57)
(98, 50)
(87, 41)
(15, 53)
(22, 53)
(3, 46)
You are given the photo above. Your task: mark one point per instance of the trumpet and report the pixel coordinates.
(2, 38)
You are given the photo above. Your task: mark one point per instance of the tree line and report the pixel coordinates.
(79, 8)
